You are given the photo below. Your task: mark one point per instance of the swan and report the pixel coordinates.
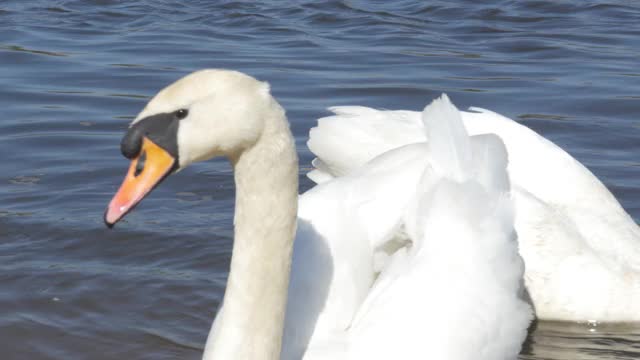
(580, 247)
(410, 255)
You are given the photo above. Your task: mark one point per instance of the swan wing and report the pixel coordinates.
(342, 224)
(567, 220)
(463, 264)
(574, 235)
(354, 135)
(369, 310)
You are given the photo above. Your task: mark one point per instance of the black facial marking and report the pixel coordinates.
(162, 129)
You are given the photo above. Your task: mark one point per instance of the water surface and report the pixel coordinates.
(74, 73)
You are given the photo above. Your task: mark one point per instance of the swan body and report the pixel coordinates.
(408, 254)
(441, 290)
(581, 249)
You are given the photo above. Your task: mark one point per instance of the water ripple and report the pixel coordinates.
(75, 72)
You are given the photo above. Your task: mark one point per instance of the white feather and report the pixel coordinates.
(574, 236)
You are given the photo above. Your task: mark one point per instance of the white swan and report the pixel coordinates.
(581, 249)
(412, 255)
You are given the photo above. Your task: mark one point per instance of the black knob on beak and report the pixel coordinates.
(132, 142)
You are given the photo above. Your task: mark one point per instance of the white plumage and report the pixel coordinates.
(409, 246)
(581, 249)
(440, 217)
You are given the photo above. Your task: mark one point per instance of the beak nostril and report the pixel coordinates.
(140, 164)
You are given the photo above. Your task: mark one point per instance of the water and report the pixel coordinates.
(73, 74)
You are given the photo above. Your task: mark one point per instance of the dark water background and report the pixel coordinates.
(74, 73)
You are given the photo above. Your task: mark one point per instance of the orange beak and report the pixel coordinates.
(146, 171)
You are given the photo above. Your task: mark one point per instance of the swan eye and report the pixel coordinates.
(182, 113)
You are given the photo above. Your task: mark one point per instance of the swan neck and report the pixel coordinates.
(252, 318)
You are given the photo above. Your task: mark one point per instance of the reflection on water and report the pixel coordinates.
(74, 73)
(557, 340)
(32, 51)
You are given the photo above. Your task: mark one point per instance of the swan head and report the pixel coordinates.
(205, 114)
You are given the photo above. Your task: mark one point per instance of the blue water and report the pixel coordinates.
(74, 73)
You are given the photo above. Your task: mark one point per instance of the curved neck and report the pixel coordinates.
(251, 322)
